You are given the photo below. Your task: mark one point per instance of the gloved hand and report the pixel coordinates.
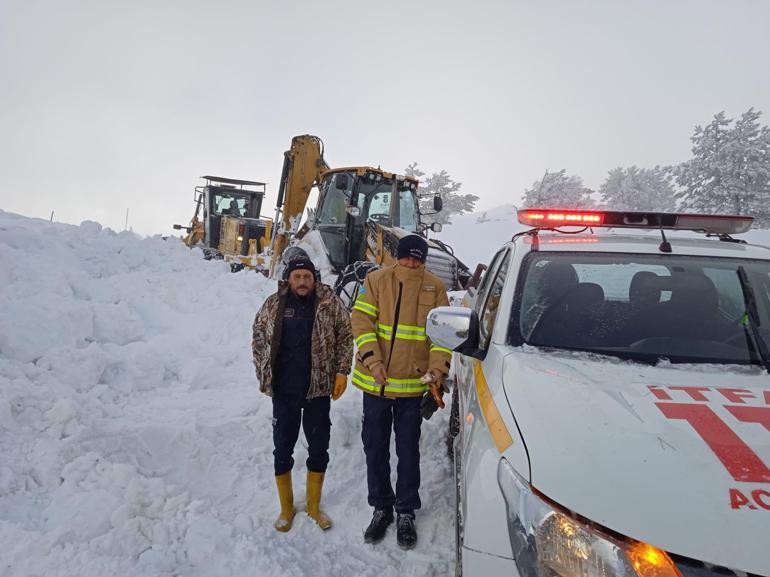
(340, 384)
(428, 405)
(434, 381)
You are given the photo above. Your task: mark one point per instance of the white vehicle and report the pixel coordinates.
(614, 400)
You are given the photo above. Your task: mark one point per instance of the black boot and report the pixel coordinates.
(376, 529)
(406, 533)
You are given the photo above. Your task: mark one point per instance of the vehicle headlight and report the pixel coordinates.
(549, 542)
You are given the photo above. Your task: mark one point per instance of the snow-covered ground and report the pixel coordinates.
(134, 440)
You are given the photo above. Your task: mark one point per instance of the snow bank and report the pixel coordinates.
(134, 439)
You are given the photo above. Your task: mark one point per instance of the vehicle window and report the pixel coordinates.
(686, 309)
(492, 304)
(333, 206)
(407, 210)
(229, 206)
(486, 282)
(379, 207)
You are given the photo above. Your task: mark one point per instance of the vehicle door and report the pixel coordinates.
(464, 370)
(331, 217)
(485, 418)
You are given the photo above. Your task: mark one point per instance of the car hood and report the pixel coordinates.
(616, 442)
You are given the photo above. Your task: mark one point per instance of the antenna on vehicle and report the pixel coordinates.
(664, 246)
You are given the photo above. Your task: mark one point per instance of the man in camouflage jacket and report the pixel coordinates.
(303, 347)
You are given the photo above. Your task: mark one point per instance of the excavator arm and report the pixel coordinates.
(303, 165)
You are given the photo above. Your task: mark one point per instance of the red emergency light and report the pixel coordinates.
(551, 218)
(705, 223)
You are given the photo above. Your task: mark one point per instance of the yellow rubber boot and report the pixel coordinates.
(286, 497)
(315, 482)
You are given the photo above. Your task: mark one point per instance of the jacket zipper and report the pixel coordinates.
(393, 334)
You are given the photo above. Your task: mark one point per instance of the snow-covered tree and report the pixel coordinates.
(730, 168)
(640, 189)
(442, 184)
(557, 190)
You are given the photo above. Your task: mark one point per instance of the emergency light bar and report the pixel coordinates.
(706, 223)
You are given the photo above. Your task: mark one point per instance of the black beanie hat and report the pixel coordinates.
(413, 245)
(301, 262)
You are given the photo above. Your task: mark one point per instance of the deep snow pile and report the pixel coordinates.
(133, 438)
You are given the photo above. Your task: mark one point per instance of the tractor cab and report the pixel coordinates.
(353, 199)
(221, 197)
(227, 223)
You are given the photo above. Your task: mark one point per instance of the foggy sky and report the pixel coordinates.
(107, 105)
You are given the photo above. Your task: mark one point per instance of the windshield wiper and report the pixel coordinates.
(751, 320)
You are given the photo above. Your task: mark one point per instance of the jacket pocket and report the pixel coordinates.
(425, 302)
(420, 365)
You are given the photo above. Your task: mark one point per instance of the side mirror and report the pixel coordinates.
(436, 227)
(455, 328)
(438, 203)
(341, 181)
(177, 227)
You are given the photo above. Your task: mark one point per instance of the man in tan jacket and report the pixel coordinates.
(396, 365)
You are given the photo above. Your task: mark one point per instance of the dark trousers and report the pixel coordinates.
(403, 416)
(313, 414)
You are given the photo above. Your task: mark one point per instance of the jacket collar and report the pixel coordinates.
(404, 274)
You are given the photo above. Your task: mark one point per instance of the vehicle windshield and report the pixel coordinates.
(645, 307)
(230, 205)
(379, 197)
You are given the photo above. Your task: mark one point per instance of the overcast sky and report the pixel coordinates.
(107, 105)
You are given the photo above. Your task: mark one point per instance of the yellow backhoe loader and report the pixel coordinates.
(360, 215)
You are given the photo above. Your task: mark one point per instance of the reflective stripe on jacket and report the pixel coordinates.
(388, 320)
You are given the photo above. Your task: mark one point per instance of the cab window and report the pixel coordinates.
(227, 205)
(333, 209)
(407, 210)
(379, 207)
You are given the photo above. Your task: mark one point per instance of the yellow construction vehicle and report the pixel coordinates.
(360, 215)
(227, 223)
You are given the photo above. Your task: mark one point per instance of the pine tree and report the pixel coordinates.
(640, 189)
(442, 184)
(557, 190)
(730, 169)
